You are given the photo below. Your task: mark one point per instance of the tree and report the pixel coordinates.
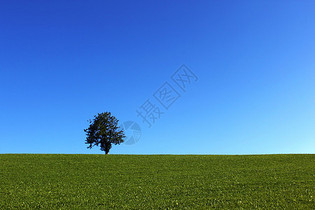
(104, 131)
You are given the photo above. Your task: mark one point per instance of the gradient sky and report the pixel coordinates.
(61, 62)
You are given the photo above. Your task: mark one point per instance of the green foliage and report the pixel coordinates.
(157, 181)
(104, 131)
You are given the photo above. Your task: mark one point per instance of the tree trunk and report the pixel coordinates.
(107, 148)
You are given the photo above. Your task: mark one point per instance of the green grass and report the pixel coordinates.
(157, 181)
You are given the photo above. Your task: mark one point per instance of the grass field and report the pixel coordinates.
(157, 181)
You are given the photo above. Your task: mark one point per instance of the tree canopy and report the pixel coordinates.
(104, 131)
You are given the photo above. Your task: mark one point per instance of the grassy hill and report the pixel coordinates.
(157, 181)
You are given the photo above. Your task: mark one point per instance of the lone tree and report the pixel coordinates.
(104, 131)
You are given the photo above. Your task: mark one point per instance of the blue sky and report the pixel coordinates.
(61, 62)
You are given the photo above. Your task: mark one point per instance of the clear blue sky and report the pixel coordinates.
(61, 62)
